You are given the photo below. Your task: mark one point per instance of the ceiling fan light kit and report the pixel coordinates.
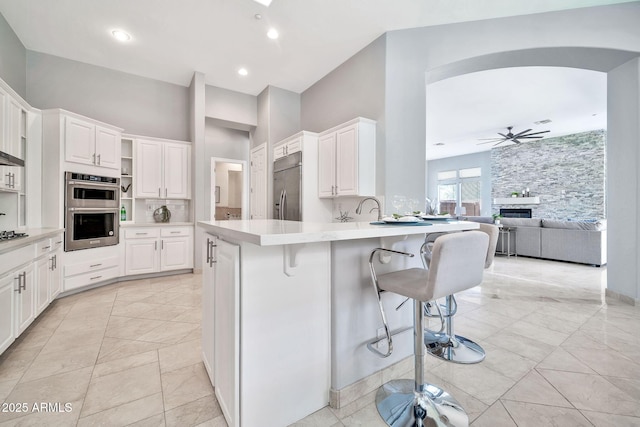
(510, 136)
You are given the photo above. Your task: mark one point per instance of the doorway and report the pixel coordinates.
(228, 190)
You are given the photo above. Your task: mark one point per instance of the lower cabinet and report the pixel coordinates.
(221, 326)
(25, 298)
(7, 309)
(154, 249)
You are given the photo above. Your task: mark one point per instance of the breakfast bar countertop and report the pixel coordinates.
(271, 232)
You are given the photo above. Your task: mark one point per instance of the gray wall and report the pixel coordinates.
(284, 114)
(13, 59)
(225, 143)
(567, 173)
(233, 109)
(623, 180)
(354, 89)
(481, 160)
(139, 105)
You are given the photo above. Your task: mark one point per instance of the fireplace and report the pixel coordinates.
(515, 213)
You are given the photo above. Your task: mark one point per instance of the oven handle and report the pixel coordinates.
(106, 210)
(93, 184)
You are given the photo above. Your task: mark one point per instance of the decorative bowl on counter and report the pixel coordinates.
(162, 214)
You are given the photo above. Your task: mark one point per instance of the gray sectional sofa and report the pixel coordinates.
(574, 241)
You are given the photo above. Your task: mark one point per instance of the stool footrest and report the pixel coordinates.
(373, 345)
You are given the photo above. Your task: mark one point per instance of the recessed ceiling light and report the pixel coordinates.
(263, 2)
(273, 34)
(121, 35)
(243, 71)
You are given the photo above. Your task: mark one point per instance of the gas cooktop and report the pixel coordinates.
(11, 235)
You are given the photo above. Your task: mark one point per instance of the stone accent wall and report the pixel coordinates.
(567, 173)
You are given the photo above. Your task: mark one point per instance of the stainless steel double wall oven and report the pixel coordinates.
(92, 205)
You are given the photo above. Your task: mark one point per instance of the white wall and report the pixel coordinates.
(623, 181)
(236, 109)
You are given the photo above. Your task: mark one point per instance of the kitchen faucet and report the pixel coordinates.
(359, 208)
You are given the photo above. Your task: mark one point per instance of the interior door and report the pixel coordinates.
(258, 197)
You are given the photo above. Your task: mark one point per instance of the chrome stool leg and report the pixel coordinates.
(406, 403)
(447, 345)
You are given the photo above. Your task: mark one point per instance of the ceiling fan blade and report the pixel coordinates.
(495, 145)
(537, 133)
(516, 141)
(521, 133)
(489, 139)
(491, 142)
(503, 135)
(530, 137)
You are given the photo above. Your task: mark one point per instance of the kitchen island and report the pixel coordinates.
(288, 308)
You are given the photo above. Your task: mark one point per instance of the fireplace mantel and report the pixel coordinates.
(517, 200)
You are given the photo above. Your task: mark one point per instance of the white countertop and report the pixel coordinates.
(35, 234)
(270, 232)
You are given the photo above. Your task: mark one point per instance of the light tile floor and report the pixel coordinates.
(558, 354)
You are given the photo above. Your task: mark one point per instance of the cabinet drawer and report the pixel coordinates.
(175, 231)
(56, 242)
(90, 266)
(43, 247)
(90, 278)
(141, 233)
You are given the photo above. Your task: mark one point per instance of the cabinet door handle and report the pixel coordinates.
(99, 159)
(55, 261)
(95, 265)
(162, 245)
(19, 290)
(158, 191)
(95, 277)
(94, 158)
(24, 280)
(336, 190)
(213, 260)
(156, 245)
(46, 247)
(141, 234)
(165, 193)
(175, 232)
(208, 250)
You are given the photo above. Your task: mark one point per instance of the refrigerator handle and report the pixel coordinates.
(284, 203)
(280, 205)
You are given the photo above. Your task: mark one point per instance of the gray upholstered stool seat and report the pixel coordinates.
(444, 343)
(457, 263)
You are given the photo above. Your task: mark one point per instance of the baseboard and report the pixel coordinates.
(622, 298)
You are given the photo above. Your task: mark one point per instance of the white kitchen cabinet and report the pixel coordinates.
(87, 267)
(48, 277)
(7, 336)
(346, 159)
(289, 146)
(91, 144)
(208, 303)
(163, 169)
(25, 298)
(154, 249)
(226, 362)
(13, 134)
(55, 273)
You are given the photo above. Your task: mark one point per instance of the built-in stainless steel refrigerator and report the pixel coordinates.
(287, 180)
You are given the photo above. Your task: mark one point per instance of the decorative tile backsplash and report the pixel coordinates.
(179, 209)
(567, 173)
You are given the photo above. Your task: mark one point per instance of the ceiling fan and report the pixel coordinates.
(510, 136)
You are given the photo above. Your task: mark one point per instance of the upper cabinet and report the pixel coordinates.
(346, 159)
(163, 169)
(91, 144)
(288, 147)
(13, 120)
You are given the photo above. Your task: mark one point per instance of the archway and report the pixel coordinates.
(623, 111)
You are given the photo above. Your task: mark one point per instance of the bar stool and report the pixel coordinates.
(457, 263)
(444, 343)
